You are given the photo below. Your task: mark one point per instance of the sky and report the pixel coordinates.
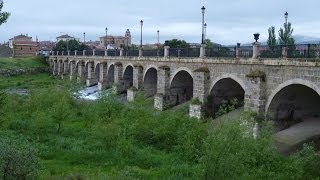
(228, 21)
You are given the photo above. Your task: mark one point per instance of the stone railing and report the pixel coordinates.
(255, 51)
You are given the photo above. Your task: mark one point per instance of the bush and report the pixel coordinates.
(18, 159)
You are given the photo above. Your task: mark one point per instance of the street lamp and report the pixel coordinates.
(158, 38)
(286, 17)
(141, 23)
(203, 9)
(84, 38)
(106, 38)
(286, 27)
(158, 44)
(205, 31)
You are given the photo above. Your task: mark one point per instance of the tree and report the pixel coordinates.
(3, 15)
(71, 45)
(286, 39)
(209, 44)
(272, 41)
(175, 43)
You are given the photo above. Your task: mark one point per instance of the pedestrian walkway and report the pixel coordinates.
(290, 138)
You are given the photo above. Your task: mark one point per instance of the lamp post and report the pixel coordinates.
(141, 23)
(84, 38)
(158, 44)
(106, 38)
(286, 26)
(158, 38)
(203, 9)
(205, 31)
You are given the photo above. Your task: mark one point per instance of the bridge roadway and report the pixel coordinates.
(288, 139)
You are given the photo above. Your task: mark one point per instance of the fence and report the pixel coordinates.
(293, 51)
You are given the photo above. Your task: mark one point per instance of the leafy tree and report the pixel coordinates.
(71, 45)
(272, 41)
(175, 43)
(3, 15)
(285, 35)
(209, 44)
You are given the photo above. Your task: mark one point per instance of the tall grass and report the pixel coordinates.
(18, 63)
(108, 139)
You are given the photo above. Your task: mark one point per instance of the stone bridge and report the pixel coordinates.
(279, 88)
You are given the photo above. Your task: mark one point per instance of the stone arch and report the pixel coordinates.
(292, 102)
(181, 87)
(287, 83)
(231, 76)
(125, 67)
(176, 71)
(147, 68)
(97, 70)
(110, 74)
(225, 89)
(150, 81)
(127, 76)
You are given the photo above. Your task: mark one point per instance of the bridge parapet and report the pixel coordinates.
(239, 61)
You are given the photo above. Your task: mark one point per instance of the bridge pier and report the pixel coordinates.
(65, 68)
(163, 86)
(255, 95)
(55, 68)
(118, 85)
(137, 82)
(91, 80)
(102, 83)
(72, 70)
(200, 92)
(80, 77)
(60, 67)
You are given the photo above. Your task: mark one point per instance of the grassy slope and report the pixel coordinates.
(109, 140)
(17, 63)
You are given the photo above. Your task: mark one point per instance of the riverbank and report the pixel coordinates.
(108, 139)
(23, 66)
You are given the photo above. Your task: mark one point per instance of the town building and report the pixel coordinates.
(23, 46)
(116, 42)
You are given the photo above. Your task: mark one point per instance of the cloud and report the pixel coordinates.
(229, 21)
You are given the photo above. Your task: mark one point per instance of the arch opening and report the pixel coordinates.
(225, 96)
(150, 82)
(294, 104)
(110, 76)
(97, 71)
(128, 77)
(181, 88)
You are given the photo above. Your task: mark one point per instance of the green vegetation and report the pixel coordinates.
(3, 15)
(70, 45)
(22, 63)
(108, 139)
(176, 43)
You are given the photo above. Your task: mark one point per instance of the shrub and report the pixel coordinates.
(18, 159)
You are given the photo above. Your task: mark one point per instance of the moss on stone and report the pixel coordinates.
(257, 74)
(202, 69)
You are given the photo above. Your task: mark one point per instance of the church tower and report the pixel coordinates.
(128, 38)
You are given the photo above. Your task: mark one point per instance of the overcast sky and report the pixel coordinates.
(229, 21)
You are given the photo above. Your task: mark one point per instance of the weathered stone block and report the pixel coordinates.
(195, 111)
(131, 94)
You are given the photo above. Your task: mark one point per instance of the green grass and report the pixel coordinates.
(18, 63)
(35, 81)
(108, 139)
